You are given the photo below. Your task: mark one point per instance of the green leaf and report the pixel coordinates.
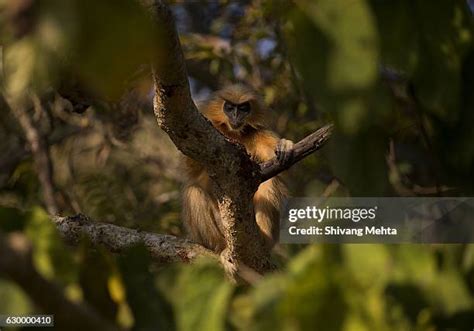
(151, 311)
(334, 45)
(50, 255)
(13, 299)
(202, 297)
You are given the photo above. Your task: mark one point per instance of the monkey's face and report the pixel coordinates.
(237, 113)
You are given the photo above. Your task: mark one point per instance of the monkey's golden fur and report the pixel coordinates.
(200, 212)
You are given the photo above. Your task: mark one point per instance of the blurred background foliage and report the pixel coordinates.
(396, 78)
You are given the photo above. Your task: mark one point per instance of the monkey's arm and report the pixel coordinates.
(268, 145)
(271, 194)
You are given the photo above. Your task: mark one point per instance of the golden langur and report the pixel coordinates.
(237, 113)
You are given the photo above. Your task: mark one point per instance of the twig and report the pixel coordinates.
(406, 93)
(330, 188)
(40, 151)
(16, 154)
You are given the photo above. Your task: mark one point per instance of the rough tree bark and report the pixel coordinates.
(163, 248)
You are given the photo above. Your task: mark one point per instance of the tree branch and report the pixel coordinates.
(163, 248)
(302, 149)
(175, 110)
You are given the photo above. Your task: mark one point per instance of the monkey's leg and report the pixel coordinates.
(267, 201)
(284, 150)
(199, 217)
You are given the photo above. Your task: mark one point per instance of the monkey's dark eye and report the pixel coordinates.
(228, 106)
(244, 107)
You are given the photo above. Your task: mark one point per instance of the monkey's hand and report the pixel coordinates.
(284, 151)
